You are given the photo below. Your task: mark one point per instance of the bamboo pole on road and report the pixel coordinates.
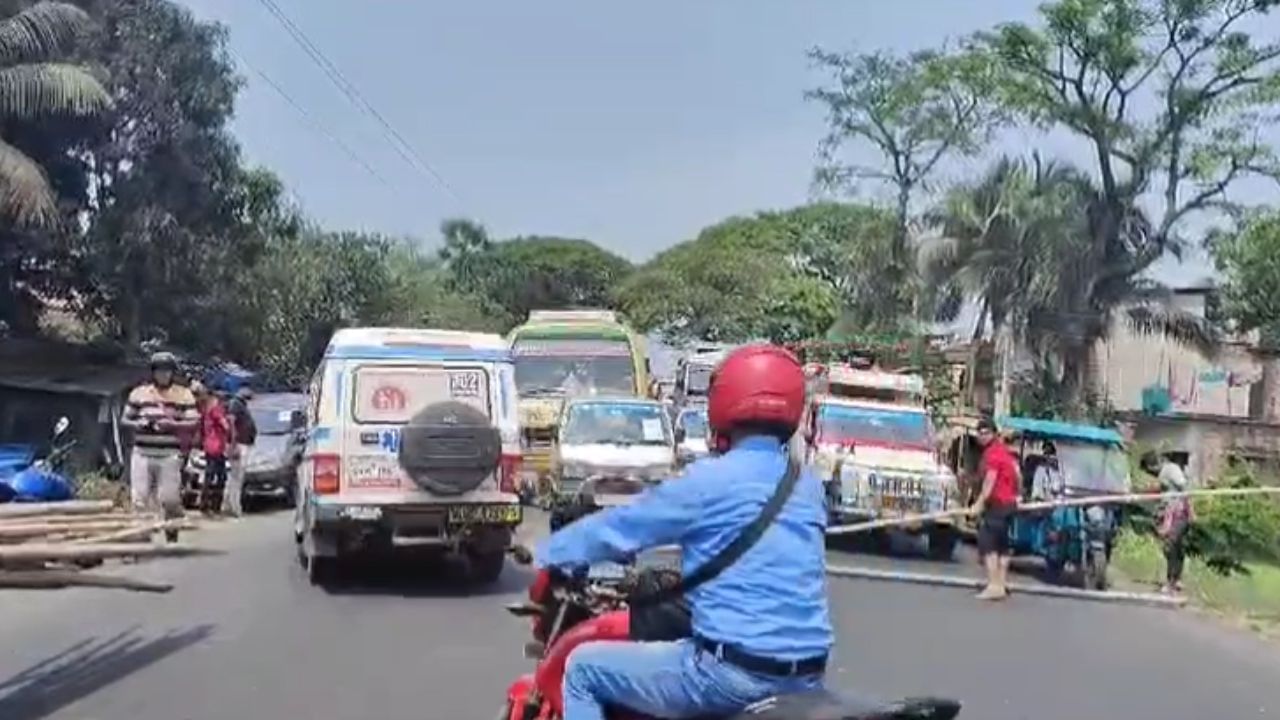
(1127, 499)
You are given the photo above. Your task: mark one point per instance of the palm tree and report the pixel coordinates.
(34, 87)
(1000, 238)
(1028, 244)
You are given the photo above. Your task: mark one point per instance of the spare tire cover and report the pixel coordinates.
(449, 448)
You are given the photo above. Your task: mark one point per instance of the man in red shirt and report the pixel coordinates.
(995, 504)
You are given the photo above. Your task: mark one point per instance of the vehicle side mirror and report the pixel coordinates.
(298, 420)
(680, 435)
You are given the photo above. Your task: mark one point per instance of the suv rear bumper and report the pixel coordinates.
(346, 527)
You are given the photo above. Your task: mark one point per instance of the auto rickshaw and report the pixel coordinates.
(1091, 463)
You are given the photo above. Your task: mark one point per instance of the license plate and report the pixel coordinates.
(899, 504)
(485, 514)
(362, 512)
(374, 472)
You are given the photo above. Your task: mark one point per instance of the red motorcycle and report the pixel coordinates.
(566, 613)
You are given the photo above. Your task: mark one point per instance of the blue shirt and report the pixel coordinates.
(772, 602)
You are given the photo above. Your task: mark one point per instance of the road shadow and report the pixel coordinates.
(406, 575)
(86, 667)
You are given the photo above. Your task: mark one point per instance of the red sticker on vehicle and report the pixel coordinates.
(388, 397)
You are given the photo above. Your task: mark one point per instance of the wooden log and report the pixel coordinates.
(19, 532)
(136, 532)
(1153, 599)
(66, 552)
(72, 519)
(54, 579)
(68, 507)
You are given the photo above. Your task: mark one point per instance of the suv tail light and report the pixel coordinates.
(509, 472)
(326, 474)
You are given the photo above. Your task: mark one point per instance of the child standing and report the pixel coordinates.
(216, 437)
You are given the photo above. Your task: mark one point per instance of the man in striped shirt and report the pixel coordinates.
(160, 412)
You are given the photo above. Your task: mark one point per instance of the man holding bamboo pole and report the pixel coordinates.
(996, 503)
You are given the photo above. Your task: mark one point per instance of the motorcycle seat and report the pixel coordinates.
(828, 705)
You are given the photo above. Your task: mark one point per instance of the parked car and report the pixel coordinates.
(271, 470)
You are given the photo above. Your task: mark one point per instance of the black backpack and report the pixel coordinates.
(246, 428)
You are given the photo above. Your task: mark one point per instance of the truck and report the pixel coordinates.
(693, 373)
(562, 354)
(871, 438)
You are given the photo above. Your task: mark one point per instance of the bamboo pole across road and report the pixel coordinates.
(1127, 499)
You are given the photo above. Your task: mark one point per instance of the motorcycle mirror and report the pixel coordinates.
(521, 554)
(61, 426)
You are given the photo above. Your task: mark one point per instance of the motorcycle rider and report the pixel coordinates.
(160, 412)
(761, 627)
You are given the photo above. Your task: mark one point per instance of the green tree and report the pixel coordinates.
(1021, 242)
(849, 248)
(914, 111)
(512, 277)
(35, 87)
(303, 288)
(1166, 96)
(552, 273)
(173, 217)
(780, 276)
(1249, 262)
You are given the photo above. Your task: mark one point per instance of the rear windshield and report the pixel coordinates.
(392, 395)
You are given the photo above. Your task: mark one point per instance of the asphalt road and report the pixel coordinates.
(244, 636)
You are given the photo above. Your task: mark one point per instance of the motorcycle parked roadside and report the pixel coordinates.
(567, 612)
(42, 480)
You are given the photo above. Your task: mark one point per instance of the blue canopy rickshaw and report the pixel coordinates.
(1091, 462)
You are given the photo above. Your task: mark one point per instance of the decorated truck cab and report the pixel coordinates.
(870, 437)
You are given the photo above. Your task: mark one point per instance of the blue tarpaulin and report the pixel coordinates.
(1056, 429)
(228, 378)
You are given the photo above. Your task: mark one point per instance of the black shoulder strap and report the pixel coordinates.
(745, 541)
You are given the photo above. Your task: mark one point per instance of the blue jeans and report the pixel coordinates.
(665, 680)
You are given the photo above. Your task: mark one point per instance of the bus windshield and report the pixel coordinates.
(574, 367)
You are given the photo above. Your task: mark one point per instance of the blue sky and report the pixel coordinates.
(630, 124)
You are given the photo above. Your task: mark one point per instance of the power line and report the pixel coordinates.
(315, 123)
(402, 146)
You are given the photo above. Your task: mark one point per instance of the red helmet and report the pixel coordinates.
(756, 385)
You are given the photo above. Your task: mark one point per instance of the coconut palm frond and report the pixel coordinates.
(1181, 327)
(44, 89)
(41, 31)
(25, 194)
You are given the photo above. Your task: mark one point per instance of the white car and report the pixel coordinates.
(607, 451)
